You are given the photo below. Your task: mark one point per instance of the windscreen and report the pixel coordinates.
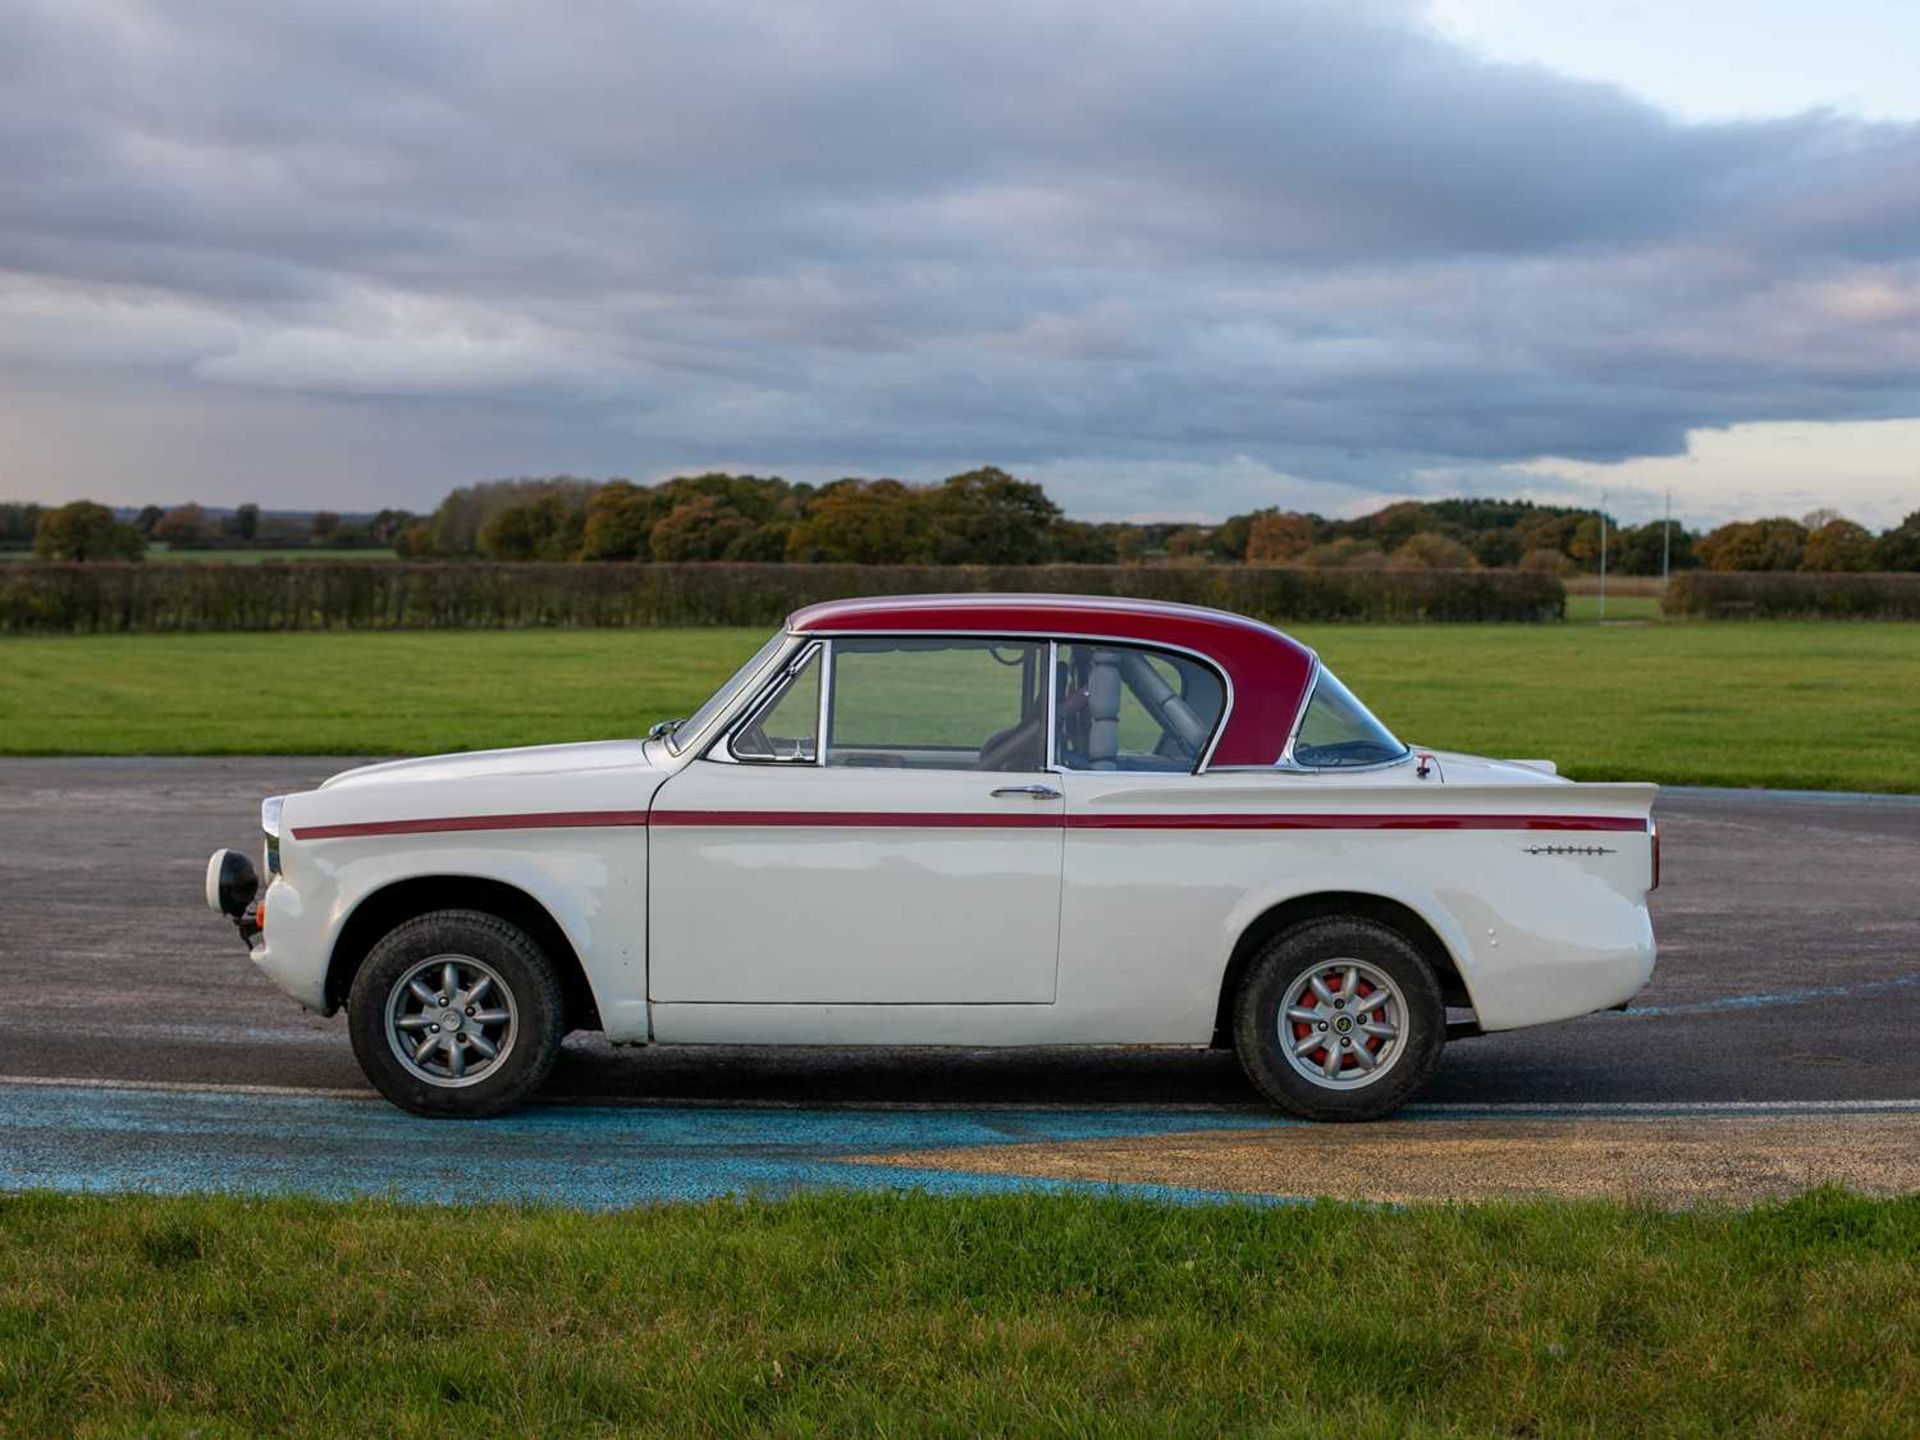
(724, 696)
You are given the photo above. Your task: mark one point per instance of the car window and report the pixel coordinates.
(1125, 708)
(938, 704)
(1338, 730)
(785, 726)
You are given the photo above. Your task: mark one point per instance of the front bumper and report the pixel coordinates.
(287, 952)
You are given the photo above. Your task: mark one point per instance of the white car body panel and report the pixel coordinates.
(851, 912)
(591, 879)
(698, 914)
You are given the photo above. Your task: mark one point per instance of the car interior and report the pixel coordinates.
(917, 703)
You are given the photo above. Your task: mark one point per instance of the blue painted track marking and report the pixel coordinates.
(1780, 997)
(587, 1157)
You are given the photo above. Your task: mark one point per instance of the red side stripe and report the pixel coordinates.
(958, 820)
(861, 819)
(553, 820)
(1353, 822)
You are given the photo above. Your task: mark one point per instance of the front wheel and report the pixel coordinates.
(1339, 1019)
(456, 1013)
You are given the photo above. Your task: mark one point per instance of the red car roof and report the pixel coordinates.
(1269, 672)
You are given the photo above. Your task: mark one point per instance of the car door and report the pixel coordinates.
(1147, 884)
(879, 828)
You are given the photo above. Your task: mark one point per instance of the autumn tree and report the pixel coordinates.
(1430, 550)
(619, 522)
(547, 527)
(1838, 545)
(1548, 530)
(987, 517)
(1277, 537)
(1899, 548)
(698, 528)
(184, 527)
(85, 530)
(1074, 542)
(861, 522)
(386, 527)
(1776, 543)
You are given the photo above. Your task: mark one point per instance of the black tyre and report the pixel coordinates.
(456, 1013)
(1339, 1019)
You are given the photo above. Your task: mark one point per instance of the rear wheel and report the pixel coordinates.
(456, 1013)
(1339, 1019)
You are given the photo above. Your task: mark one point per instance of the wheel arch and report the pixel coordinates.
(1397, 915)
(401, 900)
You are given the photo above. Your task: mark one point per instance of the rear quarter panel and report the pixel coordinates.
(1539, 924)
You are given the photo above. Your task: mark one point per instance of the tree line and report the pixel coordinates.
(982, 517)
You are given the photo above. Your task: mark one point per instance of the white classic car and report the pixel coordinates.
(978, 820)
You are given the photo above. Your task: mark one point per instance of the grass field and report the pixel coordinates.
(837, 1314)
(1802, 705)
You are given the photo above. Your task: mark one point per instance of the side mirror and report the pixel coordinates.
(232, 882)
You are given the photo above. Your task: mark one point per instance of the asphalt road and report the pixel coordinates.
(1789, 931)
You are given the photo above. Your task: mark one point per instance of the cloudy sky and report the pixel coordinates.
(1171, 259)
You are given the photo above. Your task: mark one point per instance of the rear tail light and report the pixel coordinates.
(1653, 833)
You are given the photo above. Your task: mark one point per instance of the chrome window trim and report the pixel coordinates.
(694, 746)
(825, 723)
(1291, 766)
(1053, 638)
(983, 637)
(767, 695)
(1050, 762)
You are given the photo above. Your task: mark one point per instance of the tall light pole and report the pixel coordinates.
(1666, 541)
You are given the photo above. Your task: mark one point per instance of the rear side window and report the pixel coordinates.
(1120, 707)
(1338, 731)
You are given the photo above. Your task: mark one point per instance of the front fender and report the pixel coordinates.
(592, 883)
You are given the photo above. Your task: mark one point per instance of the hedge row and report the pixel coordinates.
(1790, 595)
(76, 599)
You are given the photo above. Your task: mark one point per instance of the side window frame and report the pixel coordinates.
(770, 695)
(1057, 764)
(1046, 646)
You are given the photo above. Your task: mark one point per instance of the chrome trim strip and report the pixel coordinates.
(768, 696)
(1052, 761)
(718, 726)
(822, 735)
(1287, 763)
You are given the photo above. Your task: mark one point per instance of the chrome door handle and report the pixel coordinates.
(1036, 792)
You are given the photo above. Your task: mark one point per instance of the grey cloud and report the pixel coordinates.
(1287, 243)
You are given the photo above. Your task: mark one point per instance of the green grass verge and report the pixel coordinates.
(842, 1314)
(1585, 609)
(1801, 705)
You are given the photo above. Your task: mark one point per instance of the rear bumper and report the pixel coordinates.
(1568, 985)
